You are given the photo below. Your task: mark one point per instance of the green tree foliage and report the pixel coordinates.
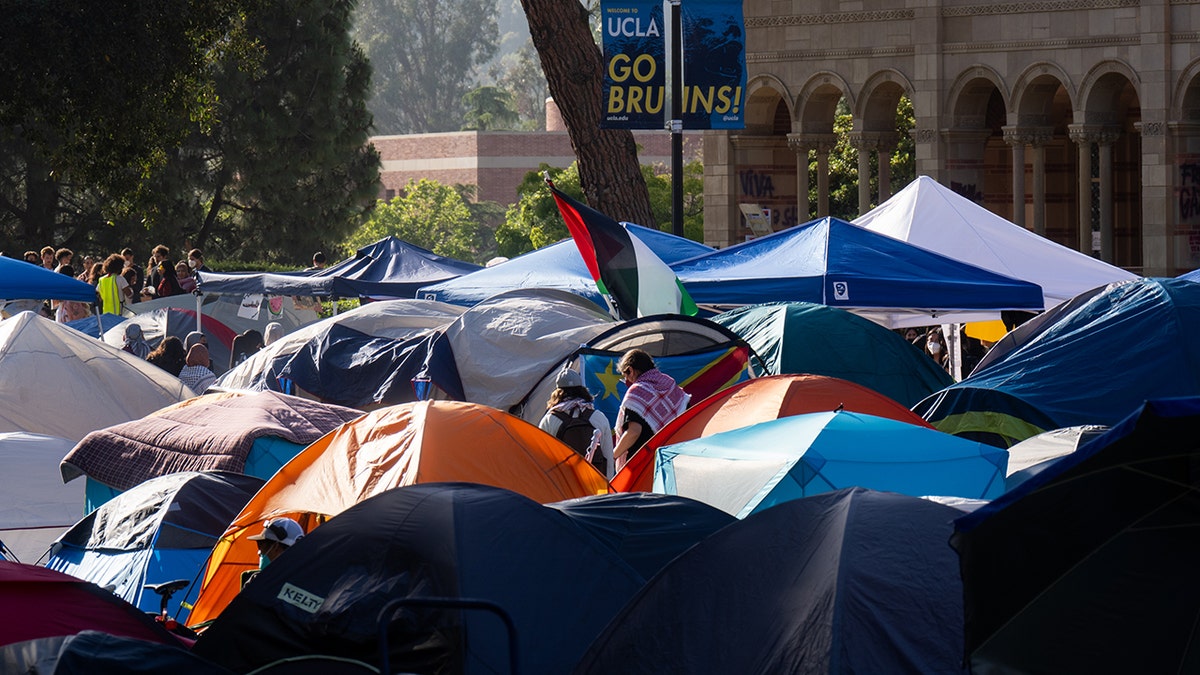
(843, 163)
(489, 109)
(534, 221)
(93, 95)
(287, 168)
(429, 214)
(425, 54)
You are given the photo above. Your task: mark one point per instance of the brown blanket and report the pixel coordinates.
(199, 437)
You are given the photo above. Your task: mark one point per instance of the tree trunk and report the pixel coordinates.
(609, 172)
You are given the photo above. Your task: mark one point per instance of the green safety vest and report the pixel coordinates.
(110, 295)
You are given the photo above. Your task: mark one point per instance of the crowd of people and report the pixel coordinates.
(120, 282)
(119, 279)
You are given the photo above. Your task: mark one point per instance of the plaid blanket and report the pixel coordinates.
(213, 436)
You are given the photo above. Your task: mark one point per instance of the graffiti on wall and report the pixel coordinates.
(967, 190)
(1189, 191)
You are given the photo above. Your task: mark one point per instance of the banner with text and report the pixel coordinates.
(635, 64)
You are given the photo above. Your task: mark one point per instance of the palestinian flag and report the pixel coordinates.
(637, 282)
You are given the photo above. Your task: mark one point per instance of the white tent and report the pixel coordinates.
(35, 505)
(930, 215)
(60, 382)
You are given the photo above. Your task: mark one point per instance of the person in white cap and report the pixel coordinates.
(277, 536)
(571, 418)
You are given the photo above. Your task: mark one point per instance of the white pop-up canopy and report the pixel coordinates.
(932, 216)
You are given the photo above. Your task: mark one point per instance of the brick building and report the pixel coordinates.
(496, 161)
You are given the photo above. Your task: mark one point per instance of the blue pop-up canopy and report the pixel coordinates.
(20, 280)
(832, 262)
(389, 268)
(555, 266)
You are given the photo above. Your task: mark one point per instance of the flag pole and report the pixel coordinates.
(676, 113)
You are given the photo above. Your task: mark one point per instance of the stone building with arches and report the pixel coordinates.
(1079, 119)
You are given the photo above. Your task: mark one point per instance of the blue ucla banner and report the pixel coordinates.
(635, 64)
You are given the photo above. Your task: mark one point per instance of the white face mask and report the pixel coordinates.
(934, 348)
(192, 263)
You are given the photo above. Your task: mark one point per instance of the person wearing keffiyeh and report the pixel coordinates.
(652, 400)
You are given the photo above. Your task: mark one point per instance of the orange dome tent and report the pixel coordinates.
(754, 401)
(423, 442)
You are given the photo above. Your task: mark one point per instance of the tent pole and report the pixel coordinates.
(199, 303)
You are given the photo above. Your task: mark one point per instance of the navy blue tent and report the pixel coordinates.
(555, 266)
(1090, 566)
(1194, 275)
(97, 653)
(389, 268)
(832, 262)
(647, 530)
(853, 581)
(20, 280)
(161, 530)
(1091, 360)
(435, 540)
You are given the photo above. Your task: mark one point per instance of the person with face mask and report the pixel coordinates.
(935, 347)
(277, 536)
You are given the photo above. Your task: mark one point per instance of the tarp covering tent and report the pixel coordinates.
(808, 338)
(361, 358)
(97, 653)
(59, 382)
(90, 324)
(35, 505)
(178, 322)
(159, 531)
(853, 581)
(753, 468)
(502, 346)
(831, 262)
(456, 540)
(702, 357)
(754, 401)
(20, 280)
(558, 265)
(645, 530)
(1032, 455)
(254, 434)
(1090, 566)
(388, 268)
(934, 217)
(1194, 275)
(1091, 360)
(423, 442)
(40, 602)
(240, 313)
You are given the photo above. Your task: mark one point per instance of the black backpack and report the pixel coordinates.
(576, 431)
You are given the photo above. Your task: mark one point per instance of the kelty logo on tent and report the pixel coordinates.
(841, 290)
(300, 598)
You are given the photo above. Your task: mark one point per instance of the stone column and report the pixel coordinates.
(1106, 139)
(824, 144)
(887, 145)
(1083, 136)
(1038, 139)
(1016, 138)
(801, 147)
(865, 143)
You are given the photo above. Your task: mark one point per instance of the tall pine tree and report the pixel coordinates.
(287, 168)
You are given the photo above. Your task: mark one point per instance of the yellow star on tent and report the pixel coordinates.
(610, 380)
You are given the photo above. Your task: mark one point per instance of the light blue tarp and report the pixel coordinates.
(555, 266)
(389, 268)
(753, 468)
(831, 262)
(20, 280)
